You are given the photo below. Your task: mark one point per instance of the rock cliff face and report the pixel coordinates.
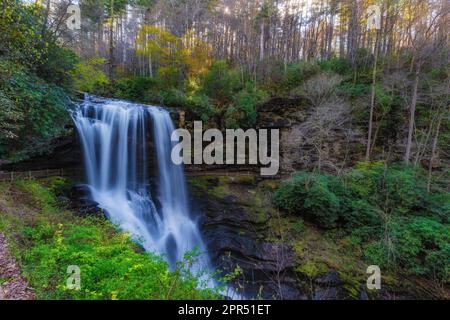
(66, 153)
(235, 230)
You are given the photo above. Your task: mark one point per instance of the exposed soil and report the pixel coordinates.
(13, 286)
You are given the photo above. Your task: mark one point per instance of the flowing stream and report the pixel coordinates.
(114, 137)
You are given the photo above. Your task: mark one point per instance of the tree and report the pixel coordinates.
(422, 36)
(88, 75)
(113, 8)
(186, 55)
(372, 94)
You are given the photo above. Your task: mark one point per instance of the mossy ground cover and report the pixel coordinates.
(46, 239)
(252, 194)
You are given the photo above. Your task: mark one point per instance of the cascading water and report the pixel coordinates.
(113, 135)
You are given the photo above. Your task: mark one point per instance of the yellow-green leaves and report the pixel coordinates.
(88, 74)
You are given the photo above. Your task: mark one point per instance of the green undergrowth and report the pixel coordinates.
(316, 251)
(47, 239)
(319, 249)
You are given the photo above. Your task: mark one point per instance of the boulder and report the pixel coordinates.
(330, 278)
(81, 202)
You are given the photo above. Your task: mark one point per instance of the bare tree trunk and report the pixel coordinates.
(111, 42)
(150, 65)
(47, 14)
(261, 42)
(433, 153)
(412, 115)
(372, 98)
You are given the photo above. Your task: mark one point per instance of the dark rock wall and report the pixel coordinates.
(235, 237)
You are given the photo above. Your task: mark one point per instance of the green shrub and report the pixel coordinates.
(111, 266)
(136, 88)
(88, 75)
(297, 73)
(340, 66)
(354, 90)
(202, 105)
(359, 213)
(242, 112)
(388, 209)
(221, 82)
(170, 77)
(175, 98)
(36, 113)
(58, 66)
(419, 245)
(437, 204)
(310, 195)
(272, 77)
(398, 188)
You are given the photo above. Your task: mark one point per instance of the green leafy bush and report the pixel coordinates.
(136, 88)
(21, 39)
(34, 76)
(59, 66)
(340, 66)
(311, 195)
(88, 75)
(297, 73)
(242, 112)
(36, 112)
(221, 82)
(419, 245)
(202, 105)
(353, 90)
(399, 189)
(170, 77)
(387, 208)
(26, 41)
(111, 265)
(175, 98)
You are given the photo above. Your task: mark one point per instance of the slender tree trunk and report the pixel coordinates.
(433, 152)
(150, 65)
(261, 42)
(111, 42)
(412, 115)
(372, 98)
(47, 14)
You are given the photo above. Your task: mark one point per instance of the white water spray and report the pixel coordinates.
(113, 135)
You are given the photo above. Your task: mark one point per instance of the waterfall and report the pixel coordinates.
(113, 135)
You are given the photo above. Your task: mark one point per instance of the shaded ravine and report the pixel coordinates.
(114, 138)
